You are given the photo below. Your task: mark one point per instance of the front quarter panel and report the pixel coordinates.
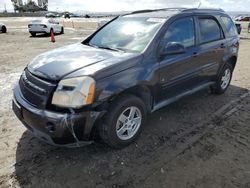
(139, 75)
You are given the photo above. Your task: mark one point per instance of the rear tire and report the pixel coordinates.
(123, 122)
(4, 29)
(223, 80)
(52, 31)
(62, 31)
(33, 34)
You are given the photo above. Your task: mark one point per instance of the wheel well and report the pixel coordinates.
(232, 61)
(142, 92)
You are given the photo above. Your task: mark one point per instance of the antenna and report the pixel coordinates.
(199, 4)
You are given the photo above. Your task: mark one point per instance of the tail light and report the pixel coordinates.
(44, 26)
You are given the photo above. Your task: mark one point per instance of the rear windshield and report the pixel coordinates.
(41, 21)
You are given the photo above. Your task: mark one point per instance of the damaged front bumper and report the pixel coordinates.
(59, 129)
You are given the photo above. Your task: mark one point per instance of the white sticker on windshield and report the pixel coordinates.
(158, 20)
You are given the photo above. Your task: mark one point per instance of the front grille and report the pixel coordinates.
(36, 90)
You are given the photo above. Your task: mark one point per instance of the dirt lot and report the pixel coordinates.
(201, 141)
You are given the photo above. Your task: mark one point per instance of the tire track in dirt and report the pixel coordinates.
(153, 156)
(171, 146)
(29, 163)
(191, 136)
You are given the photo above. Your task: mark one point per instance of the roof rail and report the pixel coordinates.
(177, 9)
(142, 11)
(155, 10)
(204, 9)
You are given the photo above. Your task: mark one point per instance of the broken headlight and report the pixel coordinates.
(74, 92)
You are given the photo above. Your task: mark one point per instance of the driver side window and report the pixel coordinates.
(181, 31)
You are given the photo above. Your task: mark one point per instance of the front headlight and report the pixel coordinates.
(74, 92)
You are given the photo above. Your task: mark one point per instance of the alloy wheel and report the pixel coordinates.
(128, 123)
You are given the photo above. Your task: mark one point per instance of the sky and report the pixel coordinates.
(128, 5)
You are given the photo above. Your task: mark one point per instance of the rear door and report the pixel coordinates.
(212, 47)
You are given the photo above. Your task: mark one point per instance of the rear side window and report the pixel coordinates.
(181, 31)
(209, 30)
(230, 26)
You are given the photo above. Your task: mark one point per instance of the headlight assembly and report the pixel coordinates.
(74, 92)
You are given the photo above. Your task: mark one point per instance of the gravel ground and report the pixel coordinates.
(200, 141)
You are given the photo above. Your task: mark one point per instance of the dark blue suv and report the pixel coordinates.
(134, 65)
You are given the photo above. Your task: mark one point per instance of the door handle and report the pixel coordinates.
(222, 45)
(195, 54)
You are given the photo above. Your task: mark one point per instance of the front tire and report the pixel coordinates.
(223, 80)
(124, 121)
(4, 29)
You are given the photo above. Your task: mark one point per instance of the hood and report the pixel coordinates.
(58, 63)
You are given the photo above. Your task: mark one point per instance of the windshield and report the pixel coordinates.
(127, 34)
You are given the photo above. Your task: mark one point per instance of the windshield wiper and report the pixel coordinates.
(107, 48)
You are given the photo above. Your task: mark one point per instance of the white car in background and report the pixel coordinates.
(45, 26)
(3, 28)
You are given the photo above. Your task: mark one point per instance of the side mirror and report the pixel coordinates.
(173, 48)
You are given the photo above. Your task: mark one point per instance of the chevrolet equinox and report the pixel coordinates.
(131, 66)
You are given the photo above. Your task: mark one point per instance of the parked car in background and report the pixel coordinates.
(243, 19)
(45, 26)
(249, 28)
(51, 15)
(238, 18)
(134, 65)
(87, 16)
(66, 15)
(3, 28)
(74, 15)
(239, 28)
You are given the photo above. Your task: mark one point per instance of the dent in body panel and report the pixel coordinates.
(143, 75)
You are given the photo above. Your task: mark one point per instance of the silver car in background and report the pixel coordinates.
(45, 26)
(3, 28)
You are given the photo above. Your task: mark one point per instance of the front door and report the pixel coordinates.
(178, 72)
